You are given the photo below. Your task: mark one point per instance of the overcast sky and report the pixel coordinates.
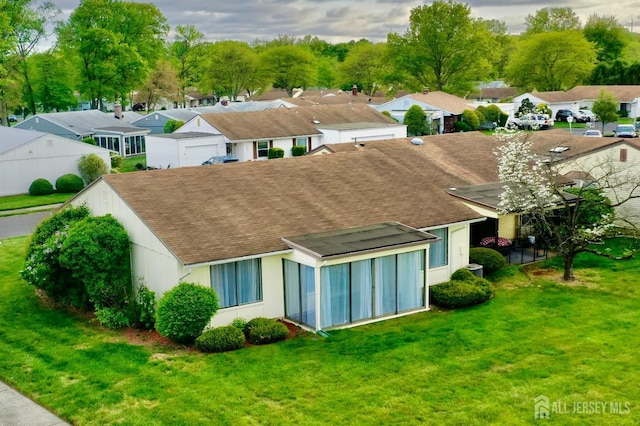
(341, 21)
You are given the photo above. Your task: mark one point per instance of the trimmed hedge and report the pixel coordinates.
(464, 289)
(260, 331)
(490, 259)
(220, 339)
(40, 186)
(184, 311)
(69, 184)
(297, 150)
(275, 153)
(463, 274)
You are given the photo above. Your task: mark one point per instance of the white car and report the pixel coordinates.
(593, 133)
(588, 115)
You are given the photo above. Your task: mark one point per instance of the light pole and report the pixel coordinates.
(570, 120)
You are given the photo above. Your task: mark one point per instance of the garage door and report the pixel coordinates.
(196, 155)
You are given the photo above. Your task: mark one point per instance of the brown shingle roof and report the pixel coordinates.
(553, 97)
(284, 122)
(218, 212)
(450, 160)
(578, 145)
(621, 92)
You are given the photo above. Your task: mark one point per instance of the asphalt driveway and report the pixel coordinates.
(20, 225)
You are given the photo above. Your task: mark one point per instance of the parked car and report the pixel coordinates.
(625, 131)
(562, 115)
(588, 115)
(592, 133)
(220, 159)
(534, 121)
(13, 118)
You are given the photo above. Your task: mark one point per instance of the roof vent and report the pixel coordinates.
(417, 141)
(559, 149)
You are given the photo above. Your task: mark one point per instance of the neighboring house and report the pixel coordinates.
(115, 134)
(26, 155)
(583, 97)
(157, 120)
(442, 109)
(250, 135)
(323, 241)
(183, 149)
(226, 106)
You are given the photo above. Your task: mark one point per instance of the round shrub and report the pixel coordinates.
(116, 161)
(69, 183)
(463, 274)
(220, 339)
(239, 323)
(260, 331)
(184, 311)
(490, 259)
(458, 294)
(40, 186)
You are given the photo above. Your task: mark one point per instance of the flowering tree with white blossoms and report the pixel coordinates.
(571, 217)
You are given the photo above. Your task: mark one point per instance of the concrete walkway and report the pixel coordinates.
(18, 410)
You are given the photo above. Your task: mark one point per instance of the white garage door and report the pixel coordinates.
(196, 155)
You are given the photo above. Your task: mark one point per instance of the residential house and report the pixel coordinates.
(250, 135)
(111, 131)
(443, 110)
(27, 155)
(157, 120)
(324, 241)
(583, 97)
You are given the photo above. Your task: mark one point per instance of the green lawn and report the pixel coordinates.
(129, 163)
(483, 365)
(23, 201)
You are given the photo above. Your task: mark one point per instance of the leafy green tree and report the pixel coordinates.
(551, 61)
(91, 167)
(53, 81)
(229, 67)
(504, 44)
(443, 48)
(526, 107)
(289, 66)
(186, 51)
(471, 118)
(162, 83)
(416, 120)
(606, 107)
(607, 35)
(113, 44)
(367, 66)
(172, 125)
(552, 19)
(28, 22)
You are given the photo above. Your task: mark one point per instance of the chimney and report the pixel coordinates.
(354, 90)
(425, 91)
(117, 111)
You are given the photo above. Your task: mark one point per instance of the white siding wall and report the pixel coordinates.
(363, 135)
(628, 171)
(458, 255)
(197, 124)
(161, 152)
(151, 260)
(48, 157)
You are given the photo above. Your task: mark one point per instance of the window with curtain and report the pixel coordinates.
(237, 283)
(439, 251)
(299, 293)
(371, 288)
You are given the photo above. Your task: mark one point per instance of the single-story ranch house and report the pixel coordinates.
(250, 135)
(325, 241)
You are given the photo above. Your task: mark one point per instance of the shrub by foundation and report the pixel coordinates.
(490, 259)
(220, 339)
(260, 331)
(40, 186)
